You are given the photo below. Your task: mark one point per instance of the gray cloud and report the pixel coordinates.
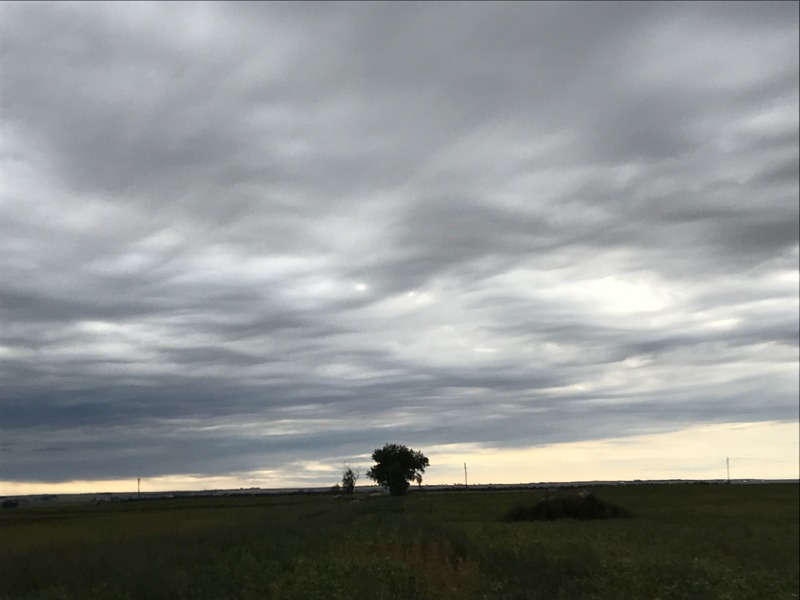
(237, 236)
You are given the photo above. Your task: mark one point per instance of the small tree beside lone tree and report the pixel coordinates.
(396, 467)
(349, 478)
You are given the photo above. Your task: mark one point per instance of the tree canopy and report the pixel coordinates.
(349, 479)
(396, 467)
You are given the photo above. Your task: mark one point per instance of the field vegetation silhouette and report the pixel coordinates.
(396, 467)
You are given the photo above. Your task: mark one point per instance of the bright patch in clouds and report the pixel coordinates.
(238, 260)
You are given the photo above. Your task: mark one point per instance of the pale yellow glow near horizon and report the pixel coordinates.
(761, 450)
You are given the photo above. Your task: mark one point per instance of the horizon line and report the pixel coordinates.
(449, 486)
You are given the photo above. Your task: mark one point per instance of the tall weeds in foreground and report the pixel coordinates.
(685, 543)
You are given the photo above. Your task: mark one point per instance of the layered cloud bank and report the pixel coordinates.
(235, 237)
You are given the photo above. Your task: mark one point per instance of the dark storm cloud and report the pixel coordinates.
(237, 236)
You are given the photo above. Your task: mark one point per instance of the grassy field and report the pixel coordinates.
(684, 541)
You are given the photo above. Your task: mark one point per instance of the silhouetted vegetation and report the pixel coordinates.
(349, 479)
(566, 505)
(397, 466)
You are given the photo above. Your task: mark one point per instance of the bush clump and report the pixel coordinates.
(581, 505)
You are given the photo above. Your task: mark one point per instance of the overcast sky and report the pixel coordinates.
(260, 240)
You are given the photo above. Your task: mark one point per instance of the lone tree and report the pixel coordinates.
(349, 478)
(396, 467)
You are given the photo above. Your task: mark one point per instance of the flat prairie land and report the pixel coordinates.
(683, 541)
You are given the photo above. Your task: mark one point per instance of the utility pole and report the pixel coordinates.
(465, 475)
(138, 486)
(728, 465)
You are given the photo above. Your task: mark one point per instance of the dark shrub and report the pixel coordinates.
(571, 505)
(8, 503)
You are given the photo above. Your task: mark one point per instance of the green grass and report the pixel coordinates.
(683, 542)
